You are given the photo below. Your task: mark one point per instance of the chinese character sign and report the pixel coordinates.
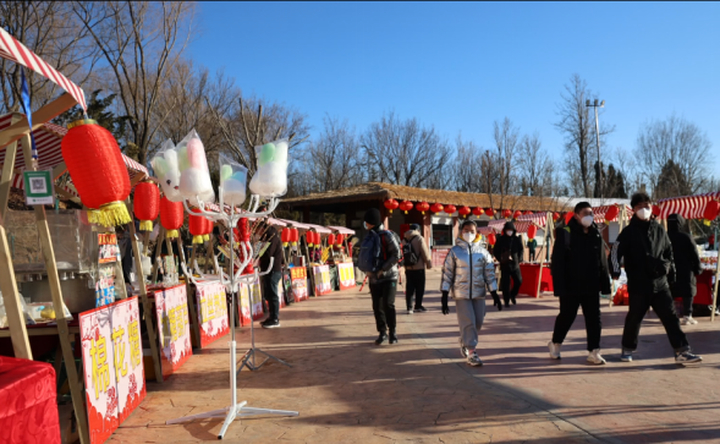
(112, 365)
(212, 312)
(322, 280)
(298, 276)
(249, 296)
(346, 275)
(174, 327)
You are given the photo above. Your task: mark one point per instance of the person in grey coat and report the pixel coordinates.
(468, 272)
(416, 259)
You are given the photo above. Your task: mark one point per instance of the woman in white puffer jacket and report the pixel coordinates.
(467, 274)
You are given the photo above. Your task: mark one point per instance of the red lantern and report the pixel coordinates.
(294, 236)
(171, 217)
(98, 171)
(477, 211)
(532, 231)
(318, 240)
(436, 208)
(491, 239)
(517, 214)
(146, 204)
(391, 204)
(285, 236)
(423, 207)
(506, 214)
(712, 209)
(611, 213)
(339, 239)
(309, 238)
(197, 228)
(656, 211)
(208, 229)
(490, 212)
(556, 216)
(464, 211)
(406, 206)
(331, 239)
(450, 209)
(568, 216)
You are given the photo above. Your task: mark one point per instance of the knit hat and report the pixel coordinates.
(414, 227)
(372, 216)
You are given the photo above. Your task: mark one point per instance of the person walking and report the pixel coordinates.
(687, 265)
(508, 251)
(271, 281)
(645, 248)
(416, 258)
(378, 258)
(580, 274)
(468, 272)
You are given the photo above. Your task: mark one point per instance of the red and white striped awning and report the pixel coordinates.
(48, 142)
(689, 207)
(600, 212)
(12, 49)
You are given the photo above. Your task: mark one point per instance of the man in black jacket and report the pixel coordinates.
(271, 281)
(687, 265)
(648, 257)
(580, 274)
(508, 251)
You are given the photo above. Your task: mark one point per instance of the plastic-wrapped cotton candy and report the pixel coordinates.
(233, 181)
(194, 174)
(165, 164)
(270, 180)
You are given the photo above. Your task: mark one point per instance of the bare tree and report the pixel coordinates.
(578, 126)
(140, 43)
(467, 166)
(51, 30)
(499, 167)
(405, 153)
(678, 141)
(534, 168)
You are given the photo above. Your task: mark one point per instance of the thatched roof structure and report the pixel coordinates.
(381, 191)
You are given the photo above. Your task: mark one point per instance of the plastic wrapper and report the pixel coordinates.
(194, 173)
(270, 179)
(166, 166)
(233, 181)
(27, 312)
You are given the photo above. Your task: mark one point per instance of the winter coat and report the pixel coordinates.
(390, 256)
(508, 247)
(468, 271)
(419, 246)
(645, 248)
(579, 262)
(273, 251)
(687, 259)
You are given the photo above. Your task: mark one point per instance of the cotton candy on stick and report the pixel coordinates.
(233, 180)
(195, 178)
(270, 180)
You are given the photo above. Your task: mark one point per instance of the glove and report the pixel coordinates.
(496, 300)
(445, 308)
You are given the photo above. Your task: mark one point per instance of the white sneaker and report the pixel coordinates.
(410, 311)
(692, 320)
(595, 358)
(474, 360)
(554, 350)
(684, 320)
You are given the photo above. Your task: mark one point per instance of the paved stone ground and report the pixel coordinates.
(348, 390)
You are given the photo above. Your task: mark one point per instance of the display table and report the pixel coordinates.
(29, 413)
(530, 275)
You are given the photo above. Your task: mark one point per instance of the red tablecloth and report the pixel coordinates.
(530, 275)
(704, 288)
(29, 413)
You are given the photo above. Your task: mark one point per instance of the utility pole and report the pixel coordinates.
(597, 141)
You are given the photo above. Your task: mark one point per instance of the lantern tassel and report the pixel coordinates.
(197, 239)
(172, 234)
(146, 225)
(206, 238)
(110, 215)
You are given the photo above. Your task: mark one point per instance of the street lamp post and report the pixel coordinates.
(595, 105)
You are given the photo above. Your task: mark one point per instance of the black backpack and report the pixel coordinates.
(409, 255)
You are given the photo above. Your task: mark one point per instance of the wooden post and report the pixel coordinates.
(158, 249)
(715, 293)
(11, 298)
(542, 262)
(147, 306)
(76, 391)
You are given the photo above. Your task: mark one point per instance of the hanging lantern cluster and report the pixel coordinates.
(422, 207)
(450, 209)
(477, 211)
(406, 206)
(464, 211)
(98, 172)
(146, 204)
(171, 217)
(391, 204)
(712, 209)
(436, 208)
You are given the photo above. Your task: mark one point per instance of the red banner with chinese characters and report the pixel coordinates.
(249, 296)
(112, 365)
(298, 277)
(171, 310)
(212, 312)
(322, 280)
(346, 275)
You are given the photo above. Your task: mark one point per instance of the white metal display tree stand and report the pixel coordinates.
(231, 281)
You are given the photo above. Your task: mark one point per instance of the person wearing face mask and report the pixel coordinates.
(508, 251)
(647, 253)
(687, 264)
(580, 274)
(468, 272)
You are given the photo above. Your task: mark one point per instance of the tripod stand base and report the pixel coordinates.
(252, 366)
(231, 413)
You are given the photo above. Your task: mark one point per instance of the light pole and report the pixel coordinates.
(597, 140)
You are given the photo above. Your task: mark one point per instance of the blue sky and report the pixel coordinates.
(461, 66)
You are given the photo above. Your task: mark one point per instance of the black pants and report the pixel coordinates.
(664, 306)
(507, 274)
(568, 311)
(531, 254)
(271, 294)
(687, 305)
(414, 286)
(383, 303)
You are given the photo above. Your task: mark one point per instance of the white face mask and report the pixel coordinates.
(586, 221)
(365, 225)
(509, 233)
(644, 213)
(469, 237)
